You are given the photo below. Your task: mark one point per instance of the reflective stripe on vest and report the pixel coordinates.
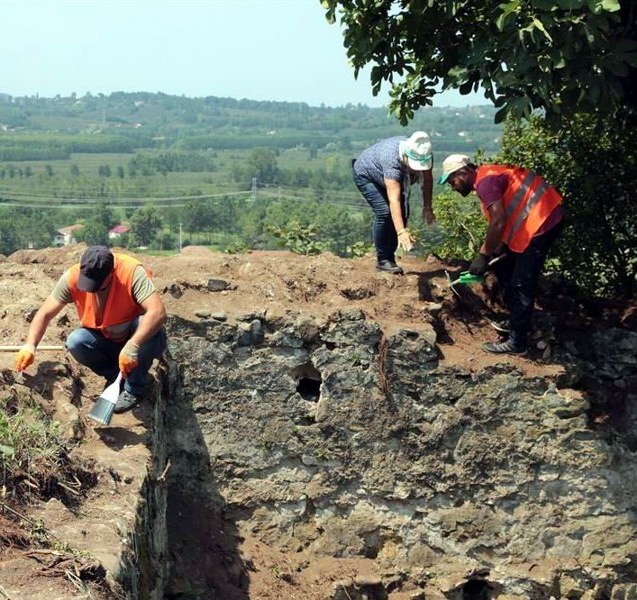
(524, 213)
(527, 202)
(519, 194)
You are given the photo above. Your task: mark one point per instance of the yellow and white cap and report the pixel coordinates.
(451, 164)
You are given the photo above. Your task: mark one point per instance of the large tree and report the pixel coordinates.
(563, 56)
(145, 222)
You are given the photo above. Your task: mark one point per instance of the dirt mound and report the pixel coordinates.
(195, 285)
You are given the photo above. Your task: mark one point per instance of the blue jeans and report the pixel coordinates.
(383, 231)
(91, 349)
(517, 276)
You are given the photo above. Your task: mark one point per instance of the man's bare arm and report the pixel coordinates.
(153, 319)
(49, 309)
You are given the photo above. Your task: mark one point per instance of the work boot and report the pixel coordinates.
(500, 325)
(506, 347)
(125, 401)
(389, 266)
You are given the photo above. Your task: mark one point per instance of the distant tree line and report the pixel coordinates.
(148, 120)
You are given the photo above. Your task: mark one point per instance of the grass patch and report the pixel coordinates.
(35, 459)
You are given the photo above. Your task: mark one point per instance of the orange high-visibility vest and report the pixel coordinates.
(528, 201)
(120, 304)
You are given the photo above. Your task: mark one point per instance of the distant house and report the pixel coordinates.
(117, 231)
(64, 236)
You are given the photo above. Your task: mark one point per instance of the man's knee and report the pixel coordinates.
(77, 340)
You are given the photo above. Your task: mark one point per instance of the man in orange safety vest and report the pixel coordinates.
(122, 318)
(525, 217)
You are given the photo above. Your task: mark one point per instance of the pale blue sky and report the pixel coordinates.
(281, 50)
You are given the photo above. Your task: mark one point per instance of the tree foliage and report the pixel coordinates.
(297, 238)
(563, 56)
(593, 163)
(25, 228)
(145, 222)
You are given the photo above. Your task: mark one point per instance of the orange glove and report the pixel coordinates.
(24, 357)
(128, 358)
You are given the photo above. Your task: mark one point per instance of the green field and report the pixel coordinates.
(233, 173)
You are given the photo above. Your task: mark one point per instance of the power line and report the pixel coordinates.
(323, 201)
(117, 200)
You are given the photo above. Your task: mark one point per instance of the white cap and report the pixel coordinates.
(417, 149)
(451, 164)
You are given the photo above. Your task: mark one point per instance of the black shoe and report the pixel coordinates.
(501, 326)
(125, 401)
(506, 347)
(389, 266)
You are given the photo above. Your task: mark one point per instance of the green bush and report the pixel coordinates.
(592, 161)
(297, 238)
(462, 225)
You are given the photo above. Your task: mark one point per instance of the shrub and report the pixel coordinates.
(592, 161)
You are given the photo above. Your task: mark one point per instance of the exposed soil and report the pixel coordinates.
(192, 286)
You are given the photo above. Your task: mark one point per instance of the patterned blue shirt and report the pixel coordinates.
(382, 161)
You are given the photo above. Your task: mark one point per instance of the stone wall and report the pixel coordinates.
(339, 439)
(144, 563)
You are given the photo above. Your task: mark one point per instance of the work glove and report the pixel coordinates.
(405, 240)
(479, 264)
(128, 358)
(24, 357)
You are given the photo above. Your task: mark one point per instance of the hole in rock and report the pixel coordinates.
(309, 382)
(477, 590)
(309, 389)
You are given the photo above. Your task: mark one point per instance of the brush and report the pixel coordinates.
(102, 411)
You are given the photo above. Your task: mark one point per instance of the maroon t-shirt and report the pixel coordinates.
(491, 188)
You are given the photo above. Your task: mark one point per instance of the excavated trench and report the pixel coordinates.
(328, 438)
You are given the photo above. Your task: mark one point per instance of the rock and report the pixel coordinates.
(63, 320)
(407, 461)
(217, 285)
(624, 592)
(175, 291)
(359, 293)
(222, 317)
(257, 314)
(368, 581)
(202, 313)
(251, 334)
(433, 308)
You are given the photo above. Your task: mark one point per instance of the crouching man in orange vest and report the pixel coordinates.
(122, 320)
(525, 218)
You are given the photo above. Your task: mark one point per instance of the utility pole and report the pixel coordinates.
(254, 189)
(179, 238)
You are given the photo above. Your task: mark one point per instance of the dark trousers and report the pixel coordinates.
(518, 275)
(383, 231)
